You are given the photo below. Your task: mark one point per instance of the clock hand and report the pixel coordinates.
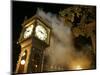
(28, 31)
(41, 32)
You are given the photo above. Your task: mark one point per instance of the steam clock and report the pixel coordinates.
(34, 38)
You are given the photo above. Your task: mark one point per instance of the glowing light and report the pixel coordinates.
(17, 42)
(51, 67)
(23, 53)
(36, 66)
(79, 64)
(78, 67)
(22, 62)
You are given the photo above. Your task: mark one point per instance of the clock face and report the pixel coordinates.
(41, 32)
(28, 31)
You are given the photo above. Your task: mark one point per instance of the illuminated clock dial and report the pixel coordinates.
(41, 32)
(28, 31)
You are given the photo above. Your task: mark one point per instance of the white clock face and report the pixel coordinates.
(41, 32)
(28, 31)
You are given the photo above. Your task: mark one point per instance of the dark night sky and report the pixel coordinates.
(19, 11)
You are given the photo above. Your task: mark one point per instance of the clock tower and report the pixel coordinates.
(34, 38)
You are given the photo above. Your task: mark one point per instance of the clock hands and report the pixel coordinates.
(41, 32)
(28, 31)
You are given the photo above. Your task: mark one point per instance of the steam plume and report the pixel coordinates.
(61, 51)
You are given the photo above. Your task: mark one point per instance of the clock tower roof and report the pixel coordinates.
(26, 21)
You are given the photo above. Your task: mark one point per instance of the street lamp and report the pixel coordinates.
(22, 62)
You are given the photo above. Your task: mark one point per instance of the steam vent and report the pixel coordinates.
(53, 37)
